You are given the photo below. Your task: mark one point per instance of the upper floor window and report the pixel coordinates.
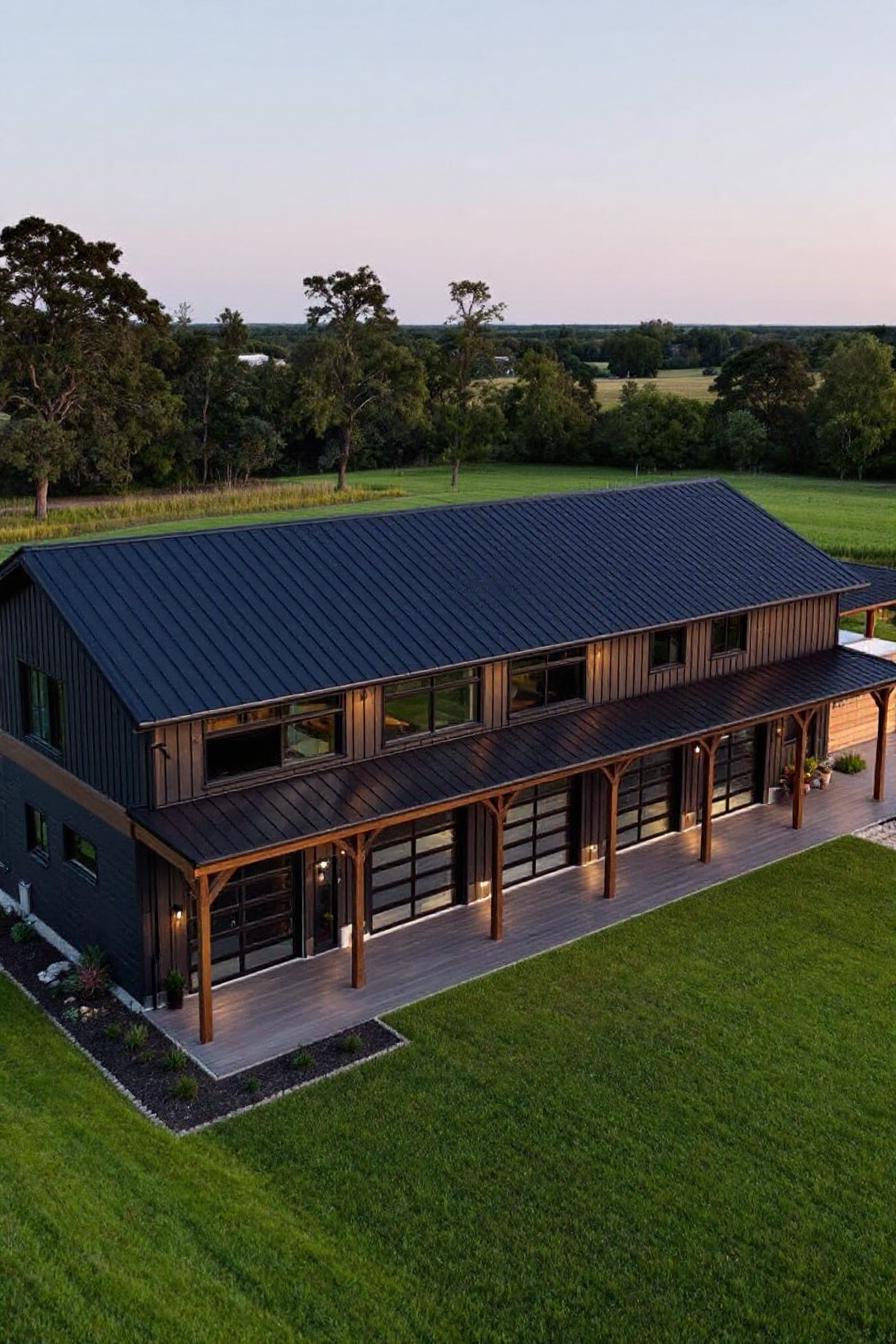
(547, 679)
(37, 833)
(273, 736)
(80, 852)
(667, 647)
(418, 705)
(42, 706)
(729, 634)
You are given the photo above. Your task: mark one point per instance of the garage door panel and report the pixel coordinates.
(537, 841)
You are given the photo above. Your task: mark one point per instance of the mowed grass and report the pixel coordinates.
(680, 1129)
(674, 382)
(852, 519)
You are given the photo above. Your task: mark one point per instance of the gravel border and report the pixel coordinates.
(140, 1074)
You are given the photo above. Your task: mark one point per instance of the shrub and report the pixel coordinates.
(302, 1059)
(175, 1061)
(90, 978)
(252, 1085)
(146, 1057)
(186, 1088)
(350, 1044)
(114, 1031)
(71, 1014)
(22, 931)
(136, 1036)
(850, 763)
(174, 980)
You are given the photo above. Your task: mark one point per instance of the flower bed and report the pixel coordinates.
(146, 1065)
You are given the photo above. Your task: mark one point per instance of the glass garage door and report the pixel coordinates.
(648, 799)
(536, 833)
(412, 872)
(737, 760)
(254, 922)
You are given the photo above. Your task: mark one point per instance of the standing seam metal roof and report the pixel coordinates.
(188, 623)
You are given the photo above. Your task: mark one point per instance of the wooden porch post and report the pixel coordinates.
(205, 893)
(204, 930)
(708, 749)
(612, 774)
(496, 929)
(803, 720)
(497, 809)
(882, 700)
(359, 968)
(870, 622)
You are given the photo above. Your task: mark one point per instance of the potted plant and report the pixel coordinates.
(788, 775)
(174, 989)
(824, 770)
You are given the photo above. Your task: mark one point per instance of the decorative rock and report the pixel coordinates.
(54, 972)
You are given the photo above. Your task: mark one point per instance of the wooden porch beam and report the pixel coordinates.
(870, 622)
(882, 700)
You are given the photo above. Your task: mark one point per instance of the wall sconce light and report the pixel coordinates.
(696, 751)
(177, 914)
(779, 731)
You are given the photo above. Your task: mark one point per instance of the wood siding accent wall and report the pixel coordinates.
(615, 669)
(102, 744)
(622, 665)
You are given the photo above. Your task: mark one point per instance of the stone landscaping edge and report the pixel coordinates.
(148, 1073)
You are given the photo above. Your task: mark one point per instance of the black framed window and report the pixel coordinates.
(729, 634)
(667, 647)
(79, 852)
(37, 833)
(418, 705)
(648, 802)
(42, 706)
(251, 740)
(547, 679)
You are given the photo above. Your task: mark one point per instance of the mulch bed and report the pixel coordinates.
(142, 1070)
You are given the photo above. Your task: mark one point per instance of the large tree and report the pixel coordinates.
(551, 416)
(774, 383)
(352, 367)
(466, 345)
(631, 354)
(61, 301)
(855, 408)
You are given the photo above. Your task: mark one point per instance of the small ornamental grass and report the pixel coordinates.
(850, 763)
(90, 978)
(301, 1060)
(185, 1088)
(349, 1044)
(136, 1036)
(22, 931)
(175, 1061)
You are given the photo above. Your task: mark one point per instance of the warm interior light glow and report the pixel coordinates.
(177, 912)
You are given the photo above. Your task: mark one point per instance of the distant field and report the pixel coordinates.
(675, 382)
(852, 519)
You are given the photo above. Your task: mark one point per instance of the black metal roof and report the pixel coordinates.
(192, 622)
(880, 590)
(253, 819)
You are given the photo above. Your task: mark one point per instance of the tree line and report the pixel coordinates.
(101, 389)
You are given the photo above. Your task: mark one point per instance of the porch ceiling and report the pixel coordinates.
(355, 795)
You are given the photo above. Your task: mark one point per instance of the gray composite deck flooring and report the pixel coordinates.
(277, 1010)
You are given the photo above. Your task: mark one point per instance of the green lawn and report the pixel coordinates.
(849, 518)
(680, 1129)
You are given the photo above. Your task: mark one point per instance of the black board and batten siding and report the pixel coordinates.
(102, 745)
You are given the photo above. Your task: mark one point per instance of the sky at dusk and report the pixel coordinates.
(594, 162)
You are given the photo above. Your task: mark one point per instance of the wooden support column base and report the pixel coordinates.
(612, 773)
(358, 847)
(708, 747)
(497, 808)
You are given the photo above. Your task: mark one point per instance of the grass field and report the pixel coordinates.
(849, 518)
(680, 1129)
(677, 382)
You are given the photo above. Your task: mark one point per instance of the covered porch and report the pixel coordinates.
(262, 1016)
